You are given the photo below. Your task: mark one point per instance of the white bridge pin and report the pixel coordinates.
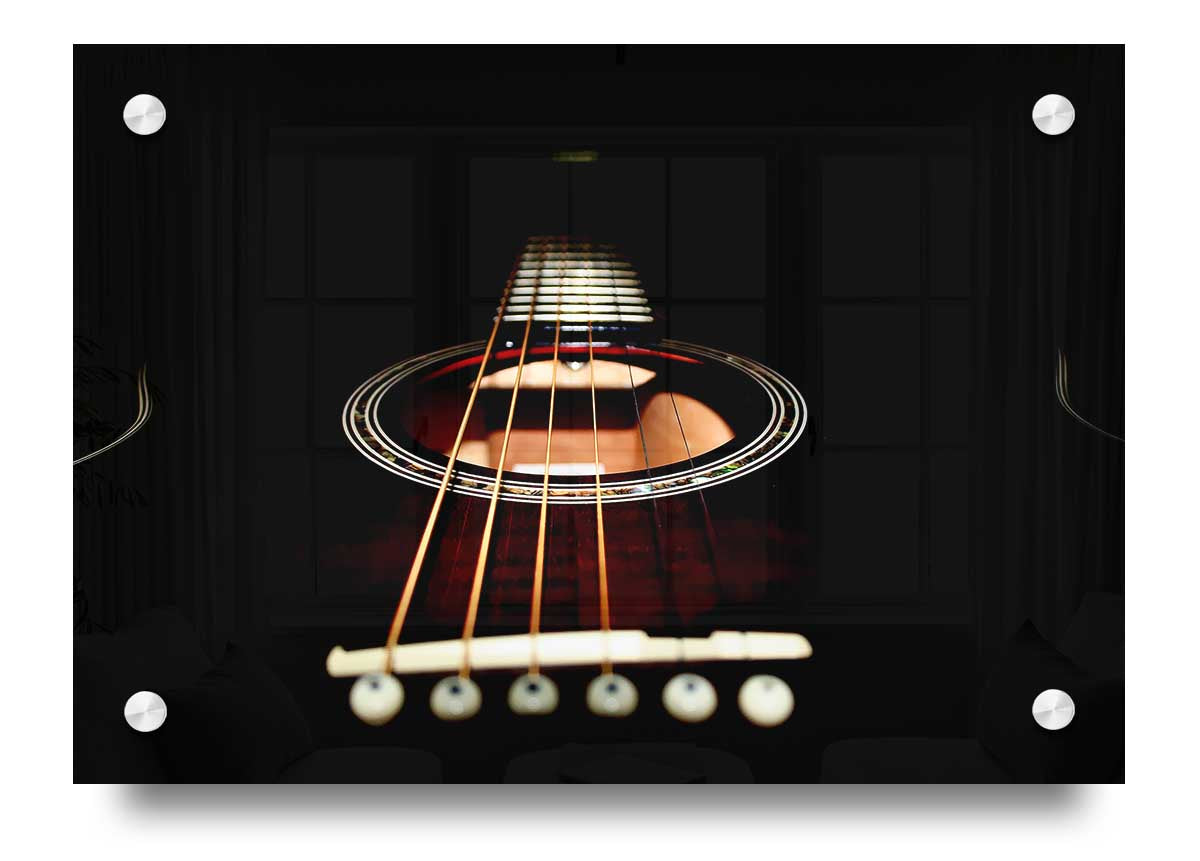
(766, 700)
(376, 698)
(690, 698)
(612, 695)
(533, 694)
(455, 698)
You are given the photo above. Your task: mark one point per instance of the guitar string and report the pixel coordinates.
(659, 545)
(535, 604)
(659, 532)
(602, 562)
(535, 609)
(709, 532)
(485, 542)
(423, 546)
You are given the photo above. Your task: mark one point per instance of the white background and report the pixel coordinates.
(1154, 815)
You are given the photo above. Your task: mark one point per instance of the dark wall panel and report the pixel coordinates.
(871, 226)
(286, 240)
(623, 201)
(740, 329)
(283, 524)
(950, 225)
(510, 200)
(951, 372)
(281, 377)
(869, 533)
(871, 380)
(482, 317)
(949, 505)
(718, 228)
(362, 216)
(352, 343)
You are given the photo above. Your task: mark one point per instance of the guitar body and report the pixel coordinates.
(686, 450)
(569, 485)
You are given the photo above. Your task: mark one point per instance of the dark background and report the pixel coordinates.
(883, 225)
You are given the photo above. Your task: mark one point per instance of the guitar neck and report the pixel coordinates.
(575, 285)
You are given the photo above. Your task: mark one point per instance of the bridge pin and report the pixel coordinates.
(690, 698)
(375, 698)
(455, 698)
(533, 694)
(612, 695)
(766, 700)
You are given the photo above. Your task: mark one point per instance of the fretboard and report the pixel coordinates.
(576, 283)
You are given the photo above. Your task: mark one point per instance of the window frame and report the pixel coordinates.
(793, 288)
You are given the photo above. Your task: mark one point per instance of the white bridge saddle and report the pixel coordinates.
(569, 648)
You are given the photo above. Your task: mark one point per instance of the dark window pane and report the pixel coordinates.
(950, 225)
(951, 373)
(623, 201)
(718, 227)
(286, 242)
(483, 316)
(872, 387)
(869, 524)
(949, 512)
(740, 329)
(870, 228)
(362, 209)
(283, 525)
(511, 199)
(281, 373)
(351, 345)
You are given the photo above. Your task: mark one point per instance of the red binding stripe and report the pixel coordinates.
(509, 354)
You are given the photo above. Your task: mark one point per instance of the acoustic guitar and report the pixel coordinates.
(565, 468)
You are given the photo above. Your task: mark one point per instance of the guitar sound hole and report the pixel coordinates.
(669, 418)
(637, 423)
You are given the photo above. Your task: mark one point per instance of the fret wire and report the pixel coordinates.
(591, 300)
(572, 305)
(583, 318)
(572, 270)
(576, 252)
(522, 289)
(579, 308)
(485, 541)
(578, 273)
(636, 304)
